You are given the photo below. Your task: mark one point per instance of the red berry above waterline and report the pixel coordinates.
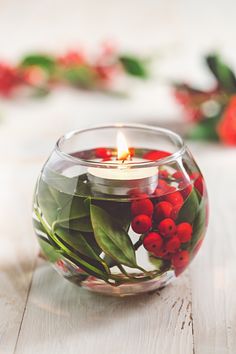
(167, 227)
(153, 242)
(163, 210)
(156, 155)
(178, 175)
(142, 206)
(173, 245)
(164, 185)
(141, 223)
(184, 232)
(163, 174)
(102, 153)
(180, 259)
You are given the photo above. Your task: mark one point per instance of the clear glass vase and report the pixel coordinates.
(120, 223)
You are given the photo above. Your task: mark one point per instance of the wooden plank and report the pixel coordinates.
(17, 252)
(214, 272)
(61, 317)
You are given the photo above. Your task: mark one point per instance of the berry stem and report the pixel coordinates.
(139, 243)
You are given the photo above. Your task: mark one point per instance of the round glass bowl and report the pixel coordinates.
(120, 226)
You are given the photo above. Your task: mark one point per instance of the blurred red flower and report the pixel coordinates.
(8, 79)
(186, 99)
(227, 126)
(72, 58)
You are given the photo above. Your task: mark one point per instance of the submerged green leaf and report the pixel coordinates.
(199, 224)
(189, 208)
(117, 210)
(48, 250)
(112, 239)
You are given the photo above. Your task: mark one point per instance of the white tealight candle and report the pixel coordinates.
(122, 179)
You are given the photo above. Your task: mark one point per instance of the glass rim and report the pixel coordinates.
(138, 164)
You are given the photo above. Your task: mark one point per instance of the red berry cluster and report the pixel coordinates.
(157, 218)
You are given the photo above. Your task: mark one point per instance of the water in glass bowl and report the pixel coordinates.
(120, 244)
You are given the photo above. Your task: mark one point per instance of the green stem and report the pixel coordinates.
(68, 252)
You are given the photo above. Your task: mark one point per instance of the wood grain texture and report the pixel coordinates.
(17, 253)
(197, 313)
(214, 273)
(61, 317)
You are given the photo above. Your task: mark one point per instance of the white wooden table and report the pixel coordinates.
(39, 311)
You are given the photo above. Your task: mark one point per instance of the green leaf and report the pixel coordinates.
(81, 244)
(199, 224)
(112, 239)
(38, 226)
(48, 250)
(75, 208)
(47, 202)
(157, 262)
(223, 74)
(205, 130)
(134, 66)
(75, 215)
(80, 224)
(89, 266)
(92, 267)
(44, 61)
(189, 209)
(118, 210)
(81, 76)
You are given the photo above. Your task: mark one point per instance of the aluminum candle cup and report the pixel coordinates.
(120, 209)
(123, 179)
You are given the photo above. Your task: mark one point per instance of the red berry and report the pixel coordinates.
(142, 206)
(180, 259)
(184, 232)
(185, 190)
(178, 175)
(156, 155)
(103, 153)
(131, 152)
(9, 79)
(141, 223)
(163, 210)
(167, 227)
(173, 245)
(153, 242)
(162, 253)
(174, 198)
(163, 185)
(198, 182)
(137, 194)
(159, 192)
(163, 174)
(175, 212)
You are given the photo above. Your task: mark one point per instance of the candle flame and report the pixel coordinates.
(122, 147)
